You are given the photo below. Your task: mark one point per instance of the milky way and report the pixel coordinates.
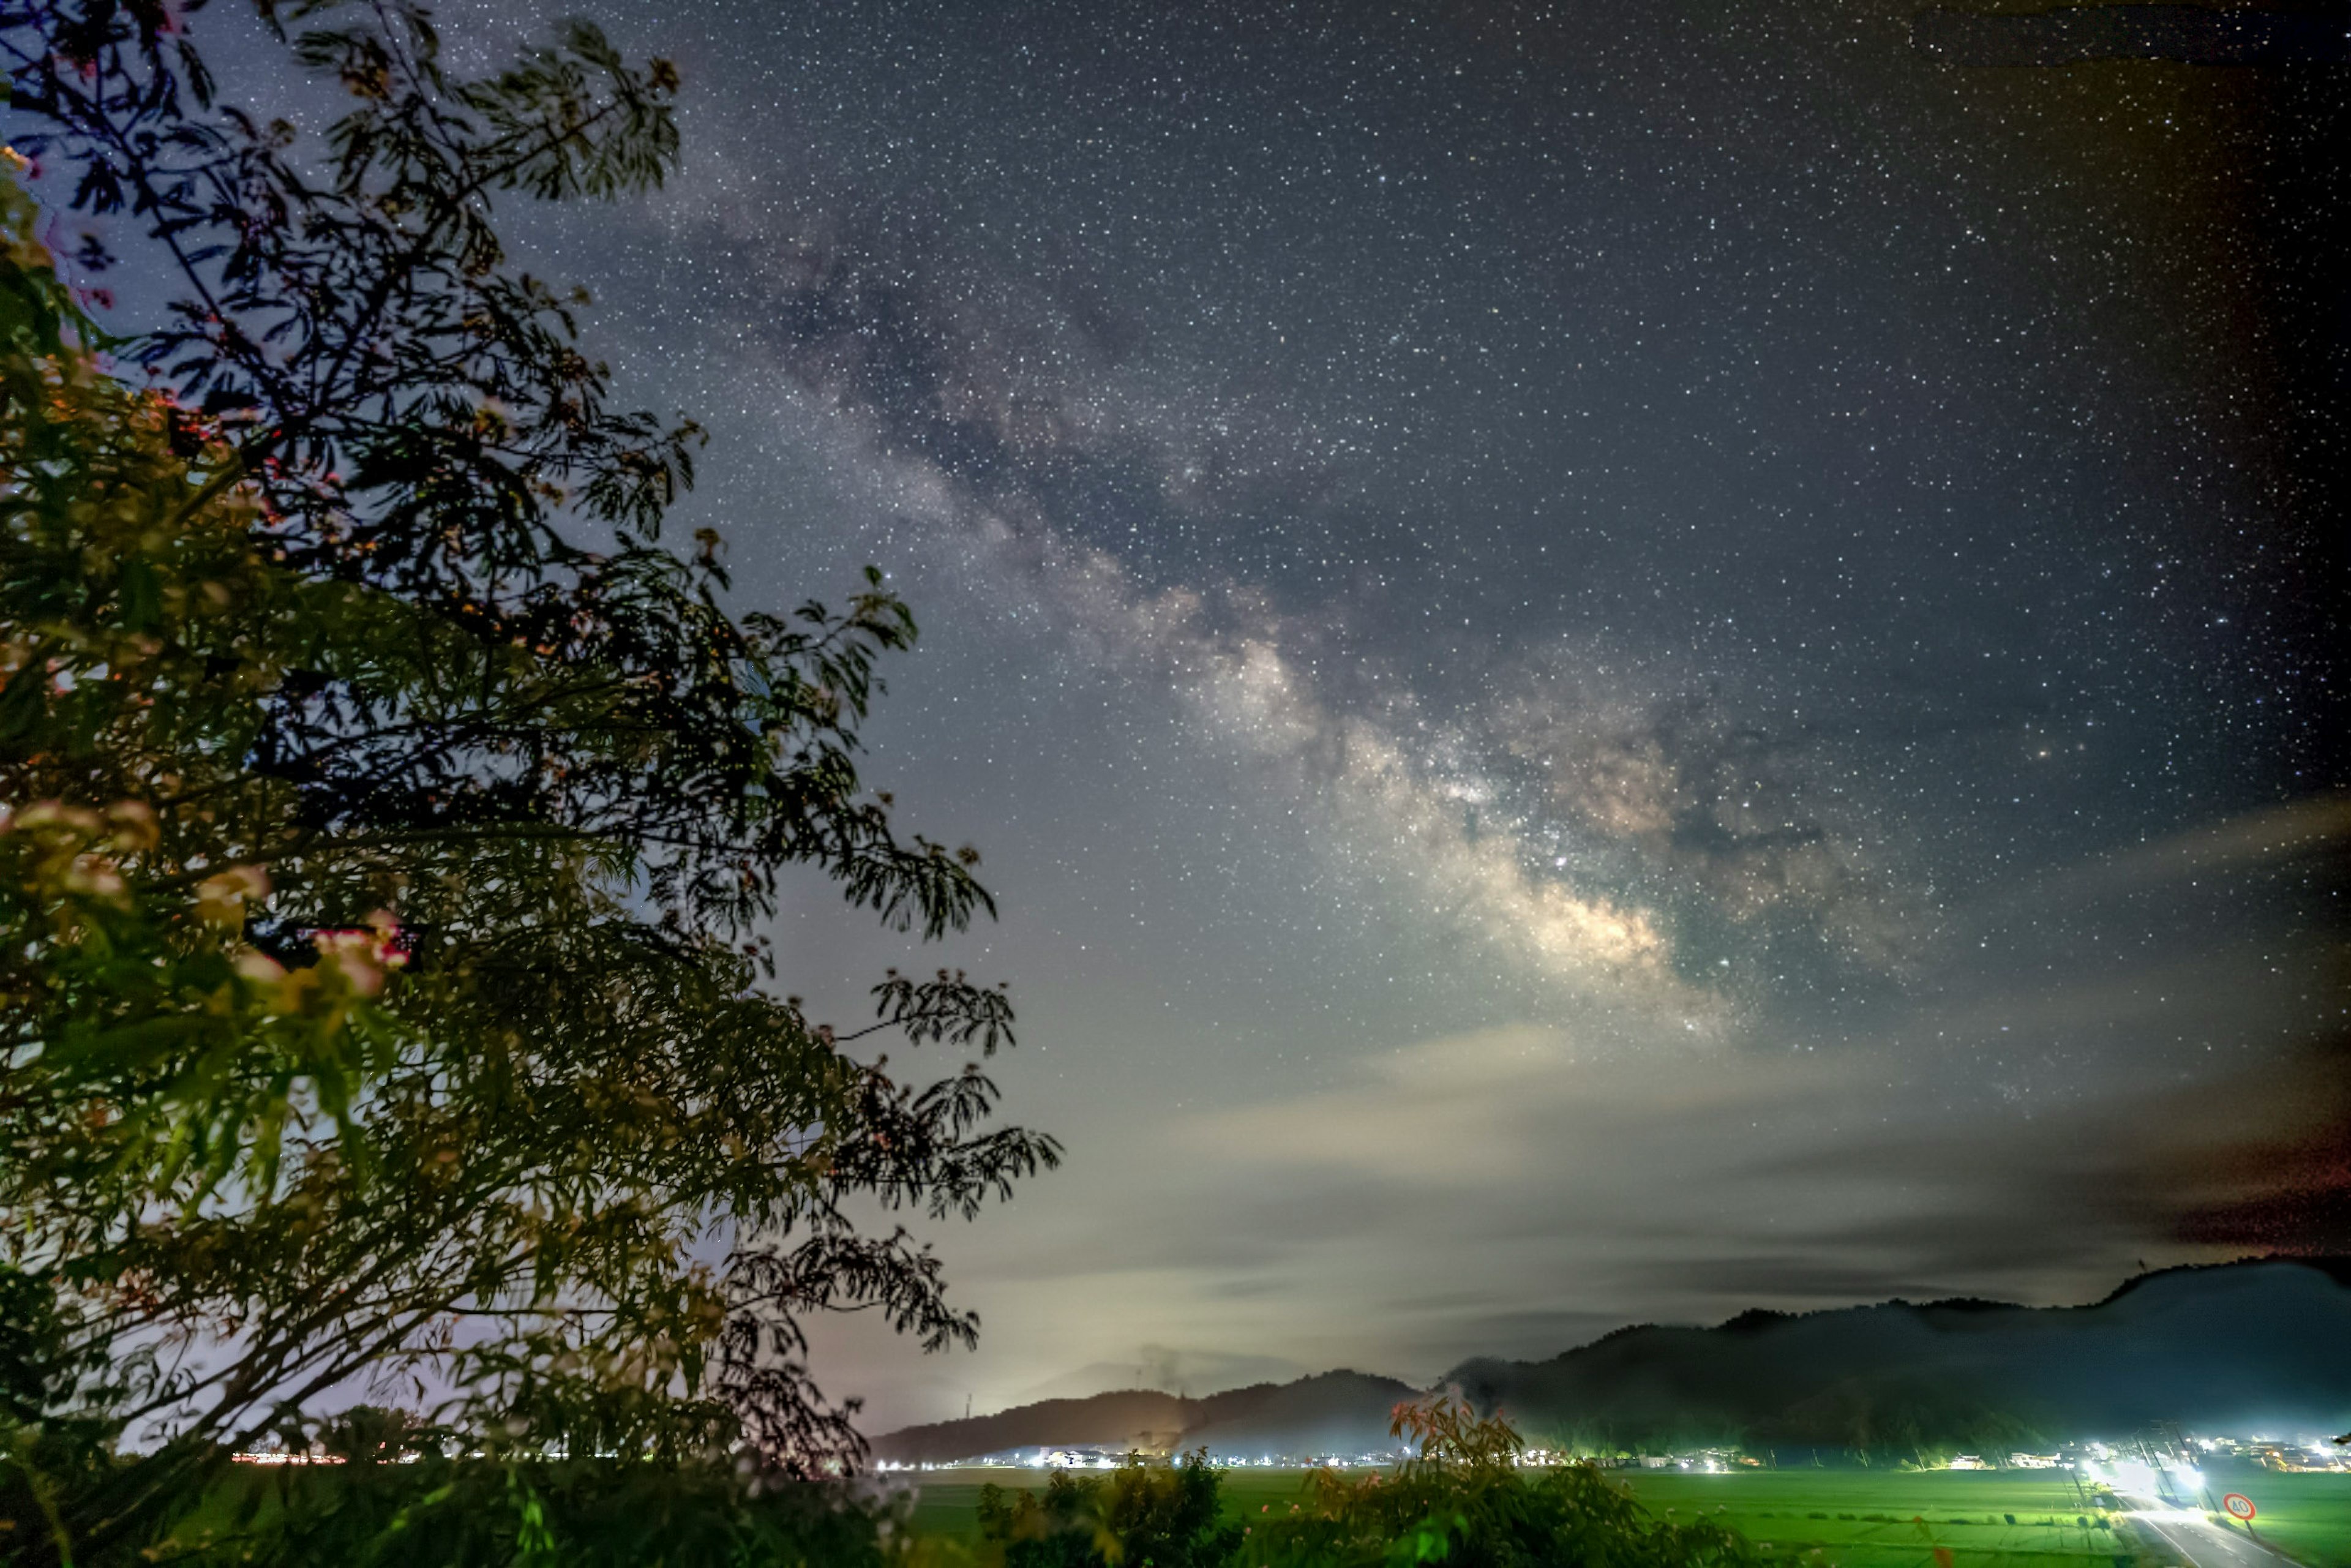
(1611, 664)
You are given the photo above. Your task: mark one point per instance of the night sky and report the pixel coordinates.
(1614, 661)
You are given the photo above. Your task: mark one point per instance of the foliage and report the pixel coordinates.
(433, 1512)
(390, 816)
(1141, 1515)
(1923, 1421)
(1864, 1420)
(44, 1362)
(1466, 1501)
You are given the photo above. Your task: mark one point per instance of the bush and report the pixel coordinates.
(1141, 1516)
(1467, 1503)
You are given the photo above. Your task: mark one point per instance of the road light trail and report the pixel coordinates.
(2212, 1547)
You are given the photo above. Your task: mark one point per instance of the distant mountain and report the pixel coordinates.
(1337, 1412)
(1159, 1368)
(2233, 1346)
(1138, 1417)
(1323, 1414)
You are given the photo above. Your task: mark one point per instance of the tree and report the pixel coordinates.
(392, 815)
(1465, 1501)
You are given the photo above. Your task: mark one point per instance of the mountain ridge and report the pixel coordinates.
(2256, 1338)
(1333, 1405)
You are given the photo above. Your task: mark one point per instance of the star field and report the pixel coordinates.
(1608, 661)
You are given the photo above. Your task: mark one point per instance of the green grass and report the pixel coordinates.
(948, 1502)
(1892, 1519)
(2307, 1517)
(1852, 1519)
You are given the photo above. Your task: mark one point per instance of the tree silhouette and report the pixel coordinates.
(394, 815)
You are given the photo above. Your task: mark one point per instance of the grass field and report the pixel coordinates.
(1892, 1519)
(948, 1502)
(2307, 1517)
(1852, 1519)
(1825, 1519)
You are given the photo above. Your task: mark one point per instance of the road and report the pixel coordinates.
(2203, 1543)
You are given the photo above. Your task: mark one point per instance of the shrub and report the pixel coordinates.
(1467, 1503)
(1140, 1516)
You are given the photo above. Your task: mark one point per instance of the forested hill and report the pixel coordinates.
(1333, 1410)
(2239, 1344)
(2230, 1346)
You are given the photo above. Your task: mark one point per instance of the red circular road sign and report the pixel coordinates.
(2239, 1505)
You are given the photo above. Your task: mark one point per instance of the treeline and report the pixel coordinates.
(1855, 1422)
(1465, 1501)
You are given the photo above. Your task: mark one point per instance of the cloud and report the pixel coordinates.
(1680, 1182)
(2272, 838)
(1521, 1108)
(2258, 1159)
(2271, 1169)
(1785, 1278)
(1194, 1373)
